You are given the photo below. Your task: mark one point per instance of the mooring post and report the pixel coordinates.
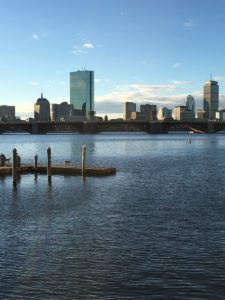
(84, 150)
(14, 165)
(18, 162)
(49, 166)
(35, 162)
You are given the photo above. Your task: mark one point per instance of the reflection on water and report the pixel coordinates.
(155, 230)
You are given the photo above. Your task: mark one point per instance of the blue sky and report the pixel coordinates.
(145, 51)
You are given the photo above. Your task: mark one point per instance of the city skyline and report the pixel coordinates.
(143, 51)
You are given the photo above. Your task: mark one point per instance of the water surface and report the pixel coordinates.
(155, 230)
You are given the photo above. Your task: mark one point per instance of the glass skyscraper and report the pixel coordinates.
(82, 91)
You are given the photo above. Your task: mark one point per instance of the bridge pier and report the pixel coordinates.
(156, 128)
(211, 127)
(89, 128)
(34, 128)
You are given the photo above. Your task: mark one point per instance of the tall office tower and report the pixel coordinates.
(82, 91)
(190, 103)
(128, 108)
(42, 110)
(211, 99)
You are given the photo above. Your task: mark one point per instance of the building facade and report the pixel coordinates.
(150, 110)
(211, 99)
(164, 113)
(82, 91)
(42, 110)
(201, 114)
(190, 103)
(7, 113)
(61, 112)
(220, 115)
(138, 116)
(128, 108)
(182, 113)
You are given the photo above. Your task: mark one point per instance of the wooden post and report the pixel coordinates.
(84, 150)
(18, 162)
(14, 165)
(35, 162)
(49, 166)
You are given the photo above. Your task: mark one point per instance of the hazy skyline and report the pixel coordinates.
(140, 50)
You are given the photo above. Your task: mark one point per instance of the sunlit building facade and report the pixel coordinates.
(164, 113)
(182, 113)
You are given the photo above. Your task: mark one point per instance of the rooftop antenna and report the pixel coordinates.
(211, 76)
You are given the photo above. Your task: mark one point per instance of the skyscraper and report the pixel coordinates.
(211, 99)
(82, 91)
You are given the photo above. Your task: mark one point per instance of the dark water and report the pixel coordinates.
(155, 230)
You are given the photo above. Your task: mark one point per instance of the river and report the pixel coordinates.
(155, 230)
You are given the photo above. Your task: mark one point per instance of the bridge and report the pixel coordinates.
(94, 127)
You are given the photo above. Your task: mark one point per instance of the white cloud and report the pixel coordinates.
(180, 83)
(98, 80)
(77, 50)
(138, 93)
(33, 83)
(176, 65)
(142, 94)
(141, 62)
(88, 46)
(218, 78)
(35, 37)
(189, 23)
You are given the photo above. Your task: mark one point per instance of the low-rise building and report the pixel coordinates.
(220, 115)
(164, 113)
(138, 116)
(182, 113)
(61, 112)
(7, 113)
(201, 114)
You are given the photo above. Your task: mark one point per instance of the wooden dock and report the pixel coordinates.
(58, 170)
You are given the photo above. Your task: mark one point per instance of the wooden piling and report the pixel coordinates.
(14, 166)
(49, 166)
(84, 151)
(18, 163)
(36, 162)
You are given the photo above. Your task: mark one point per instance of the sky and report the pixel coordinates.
(145, 51)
